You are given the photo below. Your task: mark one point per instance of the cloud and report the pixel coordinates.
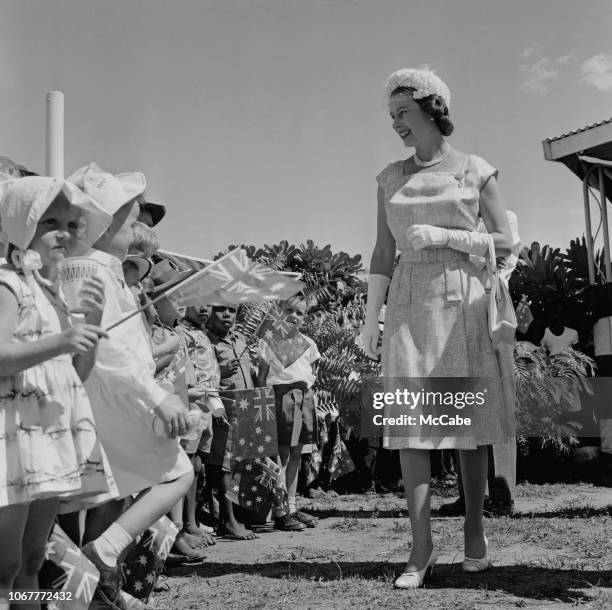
(534, 47)
(597, 71)
(537, 76)
(530, 49)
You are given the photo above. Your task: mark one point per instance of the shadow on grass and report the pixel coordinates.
(578, 512)
(526, 581)
(571, 512)
(358, 514)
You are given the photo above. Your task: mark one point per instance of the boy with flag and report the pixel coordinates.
(236, 373)
(286, 359)
(176, 376)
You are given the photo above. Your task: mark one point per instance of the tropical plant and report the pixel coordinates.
(547, 390)
(539, 275)
(577, 263)
(553, 280)
(342, 363)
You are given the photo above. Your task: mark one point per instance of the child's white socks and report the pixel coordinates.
(292, 505)
(112, 543)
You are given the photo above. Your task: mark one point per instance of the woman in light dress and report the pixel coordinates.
(436, 316)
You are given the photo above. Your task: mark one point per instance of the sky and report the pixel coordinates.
(261, 120)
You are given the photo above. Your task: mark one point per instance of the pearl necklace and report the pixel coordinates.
(434, 160)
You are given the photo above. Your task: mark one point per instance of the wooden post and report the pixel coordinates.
(54, 141)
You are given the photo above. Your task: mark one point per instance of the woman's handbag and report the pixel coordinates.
(502, 318)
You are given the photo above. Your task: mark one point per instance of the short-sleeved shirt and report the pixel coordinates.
(232, 347)
(207, 376)
(557, 343)
(300, 370)
(175, 377)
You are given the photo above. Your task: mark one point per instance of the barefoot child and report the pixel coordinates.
(203, 394)
(126, 399)
(236, 373)
(48, 441)
(176, 377)
(293, 399)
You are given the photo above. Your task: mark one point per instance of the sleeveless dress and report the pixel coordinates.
(436, 315)
(48, 441)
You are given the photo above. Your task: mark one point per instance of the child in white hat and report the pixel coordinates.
(48, 441)
(125, 397)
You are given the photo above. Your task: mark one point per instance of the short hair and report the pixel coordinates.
(300, 297)
(434, 106)
(145, 240)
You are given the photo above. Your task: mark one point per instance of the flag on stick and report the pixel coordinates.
(282, 337)
(255, 484)
(313, 465)
(524, 317)
(231, 280)
(234, 279)
(340, 462)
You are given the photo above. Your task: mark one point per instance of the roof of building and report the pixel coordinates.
(581, 149)
(594, 140)
(571, 133)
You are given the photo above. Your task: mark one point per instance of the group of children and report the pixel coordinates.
(117, 420)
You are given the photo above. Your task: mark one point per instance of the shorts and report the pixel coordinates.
(296, 416)
(197, 423)
(220, 453)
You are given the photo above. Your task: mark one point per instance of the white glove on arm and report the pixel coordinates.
(428, 236)
(377, 289)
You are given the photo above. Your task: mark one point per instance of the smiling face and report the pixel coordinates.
(56, 232)
(409, 121)
(295, 310)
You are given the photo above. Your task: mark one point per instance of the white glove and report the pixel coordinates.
(377, 289)
(428, 236)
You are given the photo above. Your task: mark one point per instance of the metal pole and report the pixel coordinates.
(589, 233)
(604, 220)
(54, 141)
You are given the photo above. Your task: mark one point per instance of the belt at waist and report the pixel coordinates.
(432, 255)
(283, 388)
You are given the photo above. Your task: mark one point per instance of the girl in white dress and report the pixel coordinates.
(48, 440)
(125, 397)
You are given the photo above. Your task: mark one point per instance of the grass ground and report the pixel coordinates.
(554, 552)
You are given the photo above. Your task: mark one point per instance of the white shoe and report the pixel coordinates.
(478, 565)
(414, 580)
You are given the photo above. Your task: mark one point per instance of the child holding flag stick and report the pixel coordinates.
(236, 370)
(125, 397)
(292, 378)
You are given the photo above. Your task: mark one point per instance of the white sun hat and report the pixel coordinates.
(23, 201)
(108, 190)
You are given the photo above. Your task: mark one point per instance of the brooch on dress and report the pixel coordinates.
(459, 178)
